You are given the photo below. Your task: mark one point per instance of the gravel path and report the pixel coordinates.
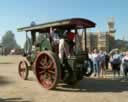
(14, 89)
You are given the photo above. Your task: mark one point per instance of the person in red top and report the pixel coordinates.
(70, 40)
(70, 36)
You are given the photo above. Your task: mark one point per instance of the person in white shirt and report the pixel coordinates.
(95, 59)
(102, 63)
(63, 46)
(90, 55)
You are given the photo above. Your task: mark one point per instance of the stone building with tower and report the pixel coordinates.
(102, 40)
(99, 40)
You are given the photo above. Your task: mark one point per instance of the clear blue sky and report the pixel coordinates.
(18, 13)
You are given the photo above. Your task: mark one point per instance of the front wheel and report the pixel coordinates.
(23, 70)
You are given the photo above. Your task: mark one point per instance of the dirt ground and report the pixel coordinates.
(14, 89)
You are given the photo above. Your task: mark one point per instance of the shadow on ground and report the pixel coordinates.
(6, 63)
(96, 85)
(4, 81)
(13, 100)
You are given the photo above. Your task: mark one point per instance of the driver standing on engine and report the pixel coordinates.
(63, 46)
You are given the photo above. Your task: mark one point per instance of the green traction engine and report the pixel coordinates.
(41, 56)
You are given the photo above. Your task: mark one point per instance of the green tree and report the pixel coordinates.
(8, 41)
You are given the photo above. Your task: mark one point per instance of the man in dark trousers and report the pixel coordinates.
(106, 60)
(125, 65)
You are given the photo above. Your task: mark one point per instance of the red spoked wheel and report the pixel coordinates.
(23, 70)
(47, 69)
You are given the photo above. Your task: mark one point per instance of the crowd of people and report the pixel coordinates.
(98, 59)
(118, 62)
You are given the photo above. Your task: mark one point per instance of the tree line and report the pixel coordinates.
(8, 41)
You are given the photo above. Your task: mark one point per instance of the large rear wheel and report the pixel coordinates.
(47, 69)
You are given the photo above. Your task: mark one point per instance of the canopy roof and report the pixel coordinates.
(64, 24)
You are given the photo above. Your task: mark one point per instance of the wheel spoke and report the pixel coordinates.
(44, 63)
(50, 65)
(41, 63)
(22, 66)
(23, 74)
(42, 80)
(44, 83)
(45, 59)
(22, 70)
(50, 71)
(48, 82)
(41, 72)
(53, 77)
(43, 67)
